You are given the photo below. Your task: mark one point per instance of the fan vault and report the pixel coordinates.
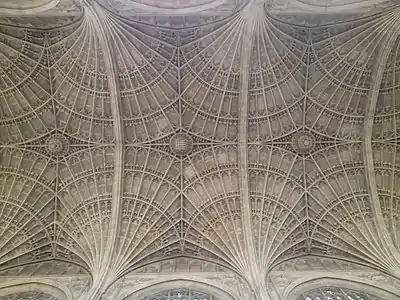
(199, 149)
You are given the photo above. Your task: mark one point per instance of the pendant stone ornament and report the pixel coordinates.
(181, 144)
(303, 142)
(57, 145)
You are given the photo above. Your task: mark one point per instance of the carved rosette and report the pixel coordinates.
(57, 145)
(181, 144)
(303, 142)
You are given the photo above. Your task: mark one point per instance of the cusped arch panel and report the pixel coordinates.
(84, 194)
(179, 288)
(50, 267)
(148, 232)
(83, 233)
(27, 206)
(22, 7)
(25, 108)
(343, 58)
(387, 174)
(344, 7)
(28, 163)
(278, 204)
(340, 208)
(277, 80)
(85, 174)
(210, 173)
(279, 232)
(216, 232)
(210, 79)
(147, 73)
(331, 287)
(317, 263)
(387, 113)
(347, 230)
(174, 14)
(212, 217)
(152, 174)
(29, 295)
(150, 209)
(80, 82)
(277, 161)
(181, 265)
(335, 172)
(34, 288)
(24, 236)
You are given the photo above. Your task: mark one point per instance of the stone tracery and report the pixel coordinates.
(328, 293)
(112, 189)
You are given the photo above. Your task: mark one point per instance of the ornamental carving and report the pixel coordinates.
(136, 134)
(181, 144)
(303, 142)
(57, 145)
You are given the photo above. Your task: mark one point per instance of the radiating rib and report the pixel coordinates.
(150, 209)
(211, 206)
(340, 207)
(277, 81)
(386, 160)
(210, 79)
(278, 204)
(26, 206)
(79, 82)
(84, 205)
(387, 107)
(341, 75)
(148, 79)
(25, 111)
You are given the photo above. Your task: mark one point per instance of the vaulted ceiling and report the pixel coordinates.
(233, 135)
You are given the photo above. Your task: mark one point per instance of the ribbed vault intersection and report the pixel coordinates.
(198, 150)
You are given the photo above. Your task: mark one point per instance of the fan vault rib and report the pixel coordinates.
(143, 149)
(102, 274)
(252, 14)
(387, 248)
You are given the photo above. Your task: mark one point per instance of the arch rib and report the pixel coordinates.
(384, 239)
(252, 14)
(102, 279)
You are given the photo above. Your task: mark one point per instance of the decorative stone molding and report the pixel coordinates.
(303, 142)
(181, 144)
(57, 145)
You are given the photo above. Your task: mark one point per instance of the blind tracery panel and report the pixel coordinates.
(28, 296)
(334, 293)
(180, 294)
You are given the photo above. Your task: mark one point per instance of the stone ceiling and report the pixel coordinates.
(222, 136)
